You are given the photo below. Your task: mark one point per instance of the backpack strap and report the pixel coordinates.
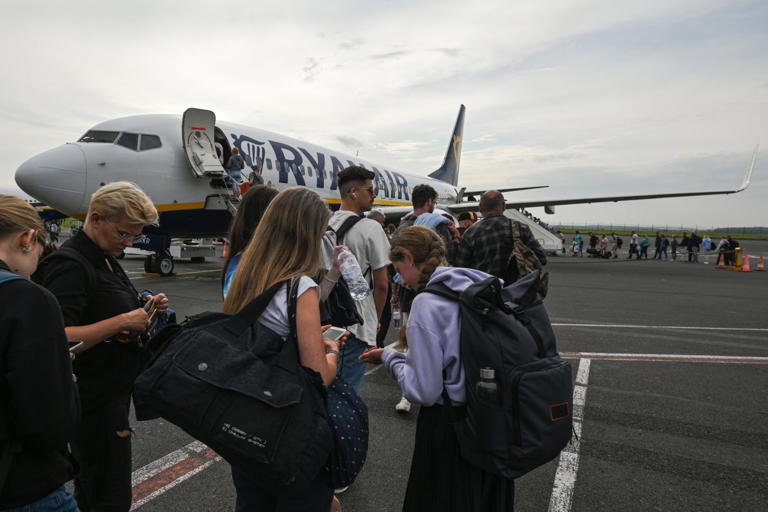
(8, 276)
(69, 253)
(247, 316)
(441, 290)
(346, 226)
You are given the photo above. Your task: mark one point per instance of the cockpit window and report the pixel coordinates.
(149, 142)
(99, 136)
(129, 140)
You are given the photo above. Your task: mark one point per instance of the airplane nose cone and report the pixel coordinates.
(56, 178)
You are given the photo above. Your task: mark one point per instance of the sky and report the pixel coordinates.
(589, 97)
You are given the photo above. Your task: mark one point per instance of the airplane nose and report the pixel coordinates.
(56, 178)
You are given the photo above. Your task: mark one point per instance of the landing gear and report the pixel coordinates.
(159, 263)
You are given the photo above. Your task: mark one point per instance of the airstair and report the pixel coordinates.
(550, 242)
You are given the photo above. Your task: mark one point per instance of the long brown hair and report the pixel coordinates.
(286, 244)
(425, 245)
(248, 216)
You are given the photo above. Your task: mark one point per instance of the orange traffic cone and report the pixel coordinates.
(721, 263)
(761, 265)
(225, 252)
(745, 266)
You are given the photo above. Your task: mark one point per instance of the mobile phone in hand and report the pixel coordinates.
(76, 347)
(334, 333)
(149, 305)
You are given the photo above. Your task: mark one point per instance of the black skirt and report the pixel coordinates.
(441, 480)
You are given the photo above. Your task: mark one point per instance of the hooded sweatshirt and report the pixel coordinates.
(433, 343)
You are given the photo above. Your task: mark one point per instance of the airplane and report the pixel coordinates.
(174, 159)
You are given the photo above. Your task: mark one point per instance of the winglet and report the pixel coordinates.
(748, 176)
(449, 171)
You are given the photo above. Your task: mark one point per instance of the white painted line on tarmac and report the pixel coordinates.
(167, 472)
(568, 465)
(178, 275)
(676, 358)
(679, 327)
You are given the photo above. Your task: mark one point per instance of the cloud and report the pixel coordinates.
(349, 142)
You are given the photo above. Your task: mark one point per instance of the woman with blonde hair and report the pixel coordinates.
(39, 406)
(103, 309)
(439, 479)
(286, 246)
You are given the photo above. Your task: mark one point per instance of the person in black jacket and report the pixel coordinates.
(39, 405)
(102, 308)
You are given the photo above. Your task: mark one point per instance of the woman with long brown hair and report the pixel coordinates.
(286, 246)
(247, 219)
(440, 479)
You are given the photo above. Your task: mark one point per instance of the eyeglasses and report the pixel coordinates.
(127, 237)
(368, 189)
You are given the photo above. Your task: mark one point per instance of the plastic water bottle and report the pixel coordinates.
(350, 270)
(487, 388)
(396, 319)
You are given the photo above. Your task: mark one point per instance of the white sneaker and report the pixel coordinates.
(403, 405)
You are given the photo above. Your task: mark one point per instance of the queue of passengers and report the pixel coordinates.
(608, 246)
(66, 416)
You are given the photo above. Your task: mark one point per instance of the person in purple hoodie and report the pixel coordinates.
(440, 479)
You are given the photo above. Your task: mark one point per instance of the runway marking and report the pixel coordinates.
(568, 465)
(678, 327)
(178, 275)
(676, 358)
(165, 473)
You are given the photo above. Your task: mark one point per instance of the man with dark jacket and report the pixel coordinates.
(488, 244)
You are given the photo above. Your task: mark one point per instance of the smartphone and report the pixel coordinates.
(334, 333)
(148, 305)
(76, 346)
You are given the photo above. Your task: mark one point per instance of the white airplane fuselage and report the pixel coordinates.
(65, 177)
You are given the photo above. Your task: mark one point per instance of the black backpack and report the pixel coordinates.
(529, 422)
(523, 261)
(339, 308)
(238, 387)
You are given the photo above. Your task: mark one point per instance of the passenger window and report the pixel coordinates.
(99, 136)
(309, 170)
(149, 142)
(269, 164)
(129, 140)
(302, 170)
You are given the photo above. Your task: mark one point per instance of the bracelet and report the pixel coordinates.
(326, 278)
(331, 351)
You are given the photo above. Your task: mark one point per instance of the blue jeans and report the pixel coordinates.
(252, 497)
(58, 501)
(350, 367)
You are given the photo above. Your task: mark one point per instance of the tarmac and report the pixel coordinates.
(670, 361)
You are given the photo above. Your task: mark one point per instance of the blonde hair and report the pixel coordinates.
(425, 245)
(286, 244)
(16, 216)
(123, 199)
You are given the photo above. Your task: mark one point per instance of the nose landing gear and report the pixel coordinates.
(159, 263)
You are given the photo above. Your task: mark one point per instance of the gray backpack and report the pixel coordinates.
(519, 390)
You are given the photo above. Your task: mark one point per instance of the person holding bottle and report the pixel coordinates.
(440, 479)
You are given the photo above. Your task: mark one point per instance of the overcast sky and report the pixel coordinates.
(589, 97)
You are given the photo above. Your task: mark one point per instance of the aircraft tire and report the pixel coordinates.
(164, 264)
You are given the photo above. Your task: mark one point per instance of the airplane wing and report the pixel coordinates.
(473, 205)
(481, 192)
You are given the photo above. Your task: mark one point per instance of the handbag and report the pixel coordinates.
(348, 417)
(238, 387)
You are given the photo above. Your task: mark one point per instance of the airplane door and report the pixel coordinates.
(197, 131)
